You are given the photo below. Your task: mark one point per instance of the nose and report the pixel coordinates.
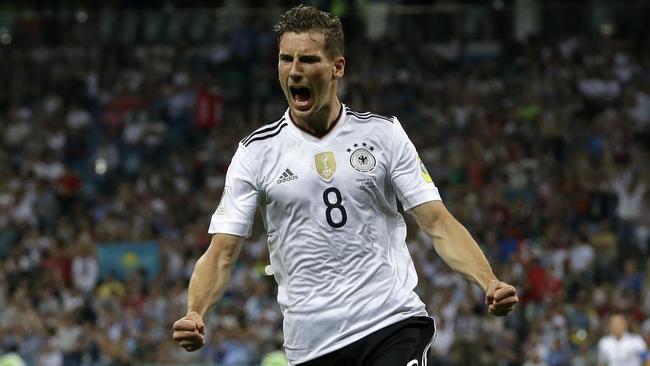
(295, 73)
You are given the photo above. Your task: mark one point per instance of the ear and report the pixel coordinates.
(338, 68)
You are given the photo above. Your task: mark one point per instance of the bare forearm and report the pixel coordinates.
(455, 246)
(212, 273)
(207, 285)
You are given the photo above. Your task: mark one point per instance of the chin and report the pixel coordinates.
(302, 112)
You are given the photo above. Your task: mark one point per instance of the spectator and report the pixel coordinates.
(620, 347)
(630, 190)
(85, 269)
(444, 340)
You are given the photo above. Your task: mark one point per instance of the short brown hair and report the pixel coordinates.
(306, 18)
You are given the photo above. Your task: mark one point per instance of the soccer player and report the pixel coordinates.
(327, 179)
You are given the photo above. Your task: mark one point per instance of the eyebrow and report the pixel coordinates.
(310, 58)
(302, 58)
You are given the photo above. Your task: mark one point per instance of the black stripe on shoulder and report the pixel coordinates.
(360, 116)
(267, 128)
(356, 113)
(368, 115)
(264, 137)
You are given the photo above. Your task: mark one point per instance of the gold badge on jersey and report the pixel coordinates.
(423, 172)
(325, 165)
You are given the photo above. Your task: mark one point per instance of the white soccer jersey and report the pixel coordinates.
(629, 350)
(336, 240)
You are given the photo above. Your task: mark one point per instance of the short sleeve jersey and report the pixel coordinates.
(335, 236)
(629, 350)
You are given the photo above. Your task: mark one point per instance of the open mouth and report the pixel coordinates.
(301, 96)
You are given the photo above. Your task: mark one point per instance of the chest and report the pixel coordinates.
(299, 171)
(625, 351)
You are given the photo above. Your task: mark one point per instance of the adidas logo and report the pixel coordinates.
(287, 176)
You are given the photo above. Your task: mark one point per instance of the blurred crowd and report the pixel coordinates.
(541, 149)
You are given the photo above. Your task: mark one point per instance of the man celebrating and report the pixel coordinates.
(327, 180)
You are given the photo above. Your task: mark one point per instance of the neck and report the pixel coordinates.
(321, 121)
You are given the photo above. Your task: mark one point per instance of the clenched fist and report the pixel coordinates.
(189, 331)
(500, 298)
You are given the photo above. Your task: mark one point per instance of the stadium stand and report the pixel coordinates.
(117, 129)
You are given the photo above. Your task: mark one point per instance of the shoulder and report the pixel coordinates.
(366, 117)
(605, 341)
(636, 339)
(385, 126)
(266, 132)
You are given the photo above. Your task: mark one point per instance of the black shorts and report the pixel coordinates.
(405, 343)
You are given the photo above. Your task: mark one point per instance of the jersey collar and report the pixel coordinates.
(338, 124)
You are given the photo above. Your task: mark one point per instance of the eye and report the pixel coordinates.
(286, 58)
(309, 59)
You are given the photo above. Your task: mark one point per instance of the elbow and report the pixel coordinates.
(220, 262)
(433, 218)
(439, 226)
(221, 254)
(222, 257)
(226, 261)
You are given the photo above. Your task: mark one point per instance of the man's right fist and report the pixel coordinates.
(189, 331)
